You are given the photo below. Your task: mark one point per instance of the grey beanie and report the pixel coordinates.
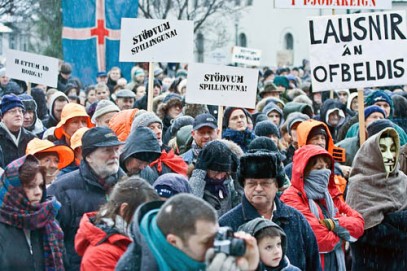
(104, 107)
(145, 119)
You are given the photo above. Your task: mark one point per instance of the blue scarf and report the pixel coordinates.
(241, 138)
(168, 257)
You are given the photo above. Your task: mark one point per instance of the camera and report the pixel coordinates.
(226, 242)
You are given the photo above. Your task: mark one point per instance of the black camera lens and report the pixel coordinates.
(237, 247)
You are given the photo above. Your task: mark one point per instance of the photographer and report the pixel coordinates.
(180, 236)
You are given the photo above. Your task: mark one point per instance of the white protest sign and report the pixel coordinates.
(32, 68)
(334, 4)
(221, 85)
(147, 40)
(358, 50)
(246, 56)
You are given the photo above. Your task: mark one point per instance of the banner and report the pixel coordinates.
(334, 4)
(221, 85)
(91, 33)
(150, 40)
(246, 56)
(358, 50)
(32, 68)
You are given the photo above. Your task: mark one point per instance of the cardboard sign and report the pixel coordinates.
(246, 56)
(334, 4)
(221, 85)
(32, 68)
(146, 40)
(358, 50)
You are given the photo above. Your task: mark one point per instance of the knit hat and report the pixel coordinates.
(260, 165)
(170, 184)
(104, 107)
(71, 110)
(139, 72)
(37, 146)
(66, 68)
(266, 128)
(378, 125)
(9, 102)
(145, 119)
(29, 102)
(181, 73)
(374, 108)
(379, 96)
(217, 156)
(172, 96)
(158, 71)
(317, 130)
(262, 143)
(98, 137)
(281, 81)
(180, 122)
(76, 139)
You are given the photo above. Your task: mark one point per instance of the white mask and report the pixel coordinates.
(388, 150)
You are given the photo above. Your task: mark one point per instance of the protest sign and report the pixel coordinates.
(221, 85)
(358, 50)
(246, 56)
(32, 68)
(334, 4)
(147, 40)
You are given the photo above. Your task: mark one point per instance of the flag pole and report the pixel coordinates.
(361, 112)
(220, 120)
(150, 87)
(28, 88)
(331, 93)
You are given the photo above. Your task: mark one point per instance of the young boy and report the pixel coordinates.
(271, 242)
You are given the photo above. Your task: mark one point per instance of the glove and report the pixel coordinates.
(219, 261)
(328, 223)
(211, 199)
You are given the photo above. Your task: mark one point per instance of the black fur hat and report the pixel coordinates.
(259, 165)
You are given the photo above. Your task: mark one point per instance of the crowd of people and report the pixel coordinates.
(90, 180)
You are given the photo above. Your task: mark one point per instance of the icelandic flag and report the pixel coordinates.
(91, 36)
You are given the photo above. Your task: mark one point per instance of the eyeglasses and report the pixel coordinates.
(16, 111)
(264, 184)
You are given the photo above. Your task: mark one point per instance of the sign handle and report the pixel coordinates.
(220, 120)
(361, 112)
(28, 87)
(150, 87)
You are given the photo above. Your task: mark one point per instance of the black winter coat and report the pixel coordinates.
(15, 252)
(79, 193)
(12, 152)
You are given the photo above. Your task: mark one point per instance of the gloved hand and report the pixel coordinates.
(220, 261)
(328, 223)
(211, 199)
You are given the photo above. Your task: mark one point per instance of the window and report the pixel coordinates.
(242, 40)
(289, 41)
(249, 2)
(200, 47)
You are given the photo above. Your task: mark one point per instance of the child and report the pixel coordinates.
(271, 242)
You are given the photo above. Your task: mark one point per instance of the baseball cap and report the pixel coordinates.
(205, 119)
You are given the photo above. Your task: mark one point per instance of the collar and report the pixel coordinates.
(280, 210)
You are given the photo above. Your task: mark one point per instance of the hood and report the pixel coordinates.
(52, 100)
(328, 107)
(146, 143)
(273, 107)
(300, 161)
(350, 99)
(121, 123)
(303, 108)
(305, 127)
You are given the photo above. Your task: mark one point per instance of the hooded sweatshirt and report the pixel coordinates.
(270, 107)
(328, 107)
(52, 121)
(37, 127)
(349, 222)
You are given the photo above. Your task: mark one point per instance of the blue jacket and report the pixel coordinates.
(78, 192)
(302, 248)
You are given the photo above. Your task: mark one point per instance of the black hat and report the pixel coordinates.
(98, 137)
(378, 125)
(217, 156)
(261, 164)
(266, 128)
(317, 130)
(205, 119)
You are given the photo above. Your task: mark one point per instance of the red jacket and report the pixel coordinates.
(95, 256)
(296, 197)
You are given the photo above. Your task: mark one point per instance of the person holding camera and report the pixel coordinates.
(180, 235)
(261, 174)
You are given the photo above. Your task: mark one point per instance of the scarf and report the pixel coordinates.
(17, 211)
(167, 256)
(316, 188)
(174, 162)
(195, 148)
(14, 138)
(216, 187)
(241, 138)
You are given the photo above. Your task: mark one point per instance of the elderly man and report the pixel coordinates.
(13, 136)
(261, 174)
(104, 112)
(180, 236)
(125, 99)
(87, 188)
(204, 130)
